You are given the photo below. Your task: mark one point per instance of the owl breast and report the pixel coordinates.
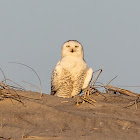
(73, 64)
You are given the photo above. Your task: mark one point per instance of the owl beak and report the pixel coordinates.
(72, 50)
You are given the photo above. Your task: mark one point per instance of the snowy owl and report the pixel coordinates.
(71, 74)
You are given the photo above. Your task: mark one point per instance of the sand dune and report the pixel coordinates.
(54, 118)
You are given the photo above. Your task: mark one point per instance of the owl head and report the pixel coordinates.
(72, 48)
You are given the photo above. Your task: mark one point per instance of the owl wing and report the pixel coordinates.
(88, 78)
(55, 78)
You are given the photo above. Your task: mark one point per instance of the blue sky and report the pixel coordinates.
(33, 31)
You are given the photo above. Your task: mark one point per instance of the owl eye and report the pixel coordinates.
(67, 46)
(76, 46)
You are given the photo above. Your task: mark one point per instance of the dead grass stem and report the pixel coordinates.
(34, 72)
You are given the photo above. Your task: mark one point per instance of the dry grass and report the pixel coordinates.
(7, 91)
(91, 90)
(41, 94)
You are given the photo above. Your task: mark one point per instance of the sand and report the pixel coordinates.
(54, 118)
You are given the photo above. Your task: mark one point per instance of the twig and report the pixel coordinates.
(128, 86)
(134, 103)
(3, 74)
(120, 90)
(31, 84)
(111, 80)
(96, 77)
(6, 93)
(16, 84)
(89, 100)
